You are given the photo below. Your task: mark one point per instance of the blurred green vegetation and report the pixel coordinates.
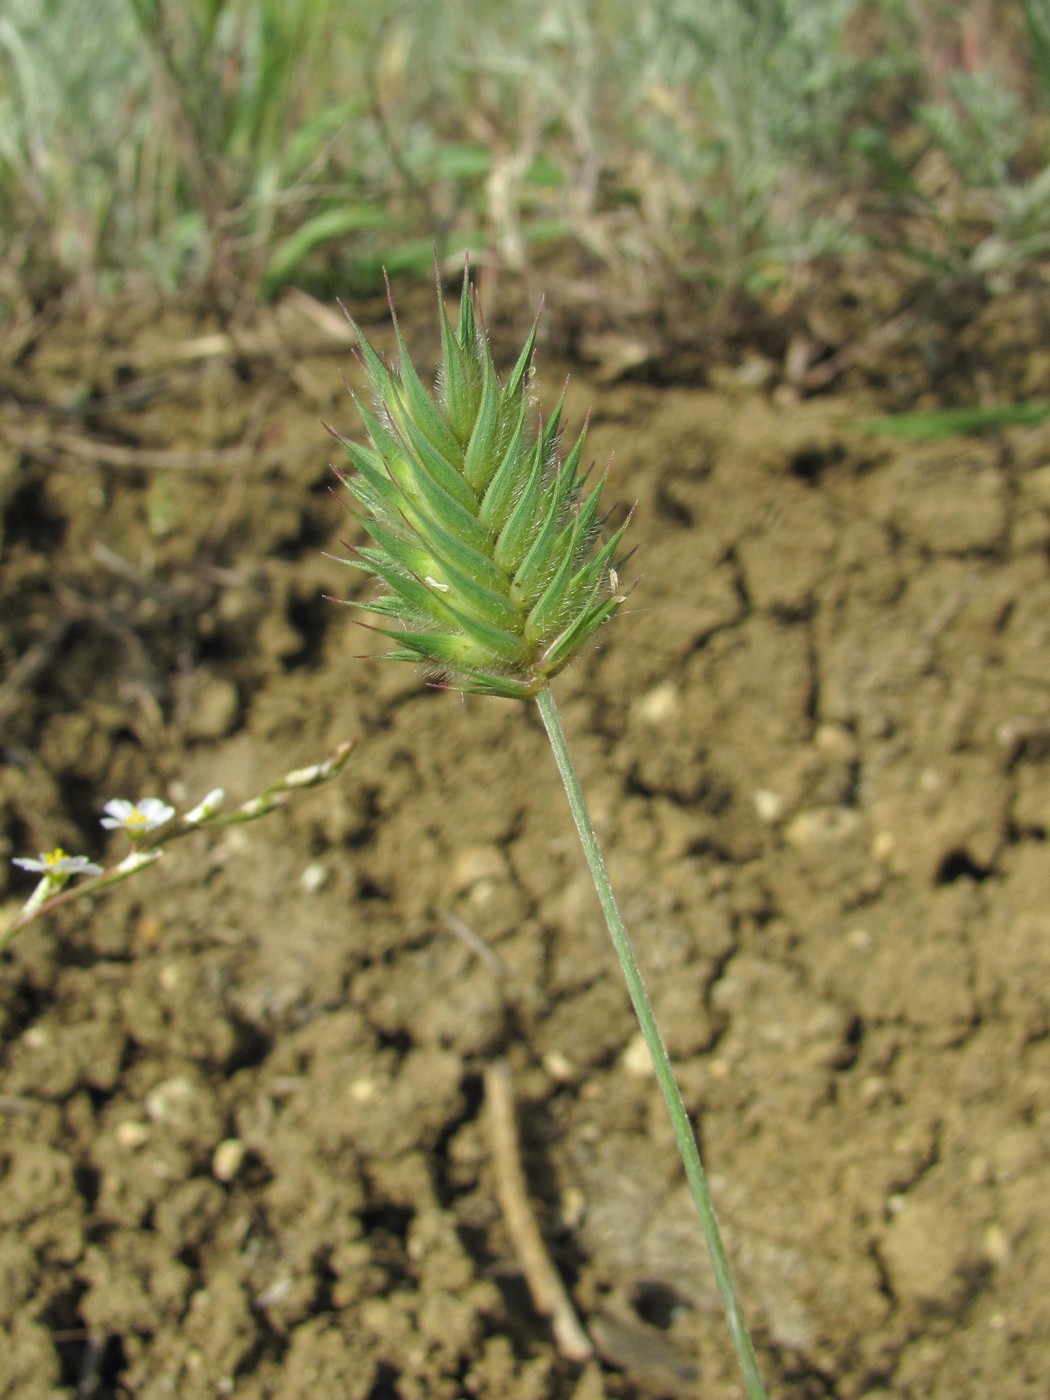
(257, 143)
(937, 424)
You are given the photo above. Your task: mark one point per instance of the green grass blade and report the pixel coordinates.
(480, 461)
(940, 423)
(421, 408)
(498, 500)
(513, 540)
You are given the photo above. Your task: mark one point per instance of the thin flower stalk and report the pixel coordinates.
(643, 1010)
(487, 546)
(151, 824)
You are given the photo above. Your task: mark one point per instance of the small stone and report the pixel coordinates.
(168, 976)
(133, 1134)
(171, 1100)
(997, 1246)
(660, 705)
(573, 1207)
(882, 846)
(559, 1067)
(475, 865)
(227, 1159)
(636, 1060)
(822, 825)
(314, 878)
(769, 805)
(275, 1292)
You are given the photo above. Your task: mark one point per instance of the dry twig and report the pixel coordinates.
(545, 1285)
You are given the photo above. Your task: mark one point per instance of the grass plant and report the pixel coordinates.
(749, 103)
(487, 545)
(259, 144)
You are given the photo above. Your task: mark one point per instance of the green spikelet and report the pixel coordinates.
(484, 539)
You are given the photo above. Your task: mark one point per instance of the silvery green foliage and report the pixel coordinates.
(980, 128)
(486, 541)
(748, 101)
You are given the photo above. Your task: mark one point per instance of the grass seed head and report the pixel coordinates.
(486, 541)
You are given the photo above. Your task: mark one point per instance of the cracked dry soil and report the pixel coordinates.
(244, 1148)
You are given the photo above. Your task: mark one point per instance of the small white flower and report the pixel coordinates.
(136, 818)
(58, 865)
(206, 808)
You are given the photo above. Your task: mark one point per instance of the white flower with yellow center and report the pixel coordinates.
(57, 865)
(136, 818)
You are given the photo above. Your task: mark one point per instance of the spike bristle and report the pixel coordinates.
(482, 537)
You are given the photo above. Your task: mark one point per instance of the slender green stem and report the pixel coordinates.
(683, 1130)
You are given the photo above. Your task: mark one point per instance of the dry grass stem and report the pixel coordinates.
(545, 1286)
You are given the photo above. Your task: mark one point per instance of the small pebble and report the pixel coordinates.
(133, 1134)
(168, 976)
(637, 1061)
(314, 878)
(227, 1159)
(559, 1066)
(882, 846)
(276, 1292)
(573, 1207)
(769, 805)
(997, 1245)
(171, 1099)
(478, 864)
(660, 705)
(821, 825)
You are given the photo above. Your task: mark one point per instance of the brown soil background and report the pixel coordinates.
(818, 750)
